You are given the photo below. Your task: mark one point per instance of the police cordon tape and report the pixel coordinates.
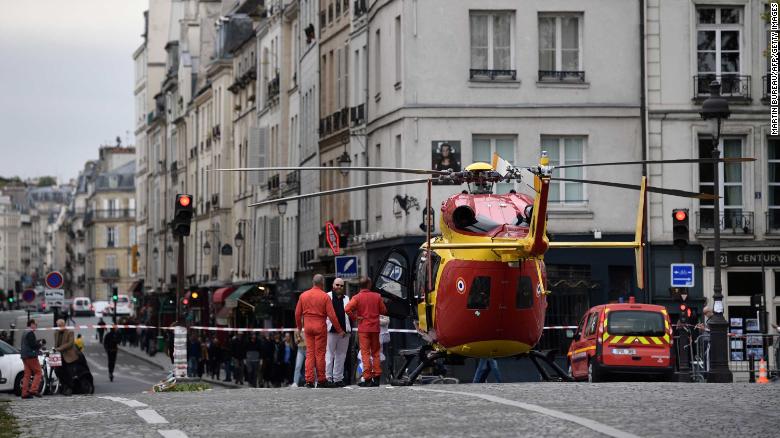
(223, 329)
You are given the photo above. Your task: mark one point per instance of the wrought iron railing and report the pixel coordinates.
(773, 221)
(109, 273)
(734, 87)
(492, 74)
(561, 76)
(736, 222)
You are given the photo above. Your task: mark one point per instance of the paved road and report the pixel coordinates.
(523, 409)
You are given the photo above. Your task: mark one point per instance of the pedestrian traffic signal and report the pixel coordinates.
(680, 230)
(182, 215)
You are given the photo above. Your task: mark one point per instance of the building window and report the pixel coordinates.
(378, 64)
(483, 149)
(718, 50)
(492, 56)
(111, 237)
(730, 206)
(111, 261)
(566, 150)
(773, 191)
(560, 53)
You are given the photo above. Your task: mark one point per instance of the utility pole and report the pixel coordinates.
(179, 275)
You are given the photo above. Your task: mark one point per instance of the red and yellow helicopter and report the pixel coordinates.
(479, 288)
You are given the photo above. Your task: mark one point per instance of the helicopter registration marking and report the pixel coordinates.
(460, 285)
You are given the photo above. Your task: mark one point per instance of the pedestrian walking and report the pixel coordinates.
(227, 360)
(336, 352)
(484, 367)
(267, 359)
(289, 353)
(300, 358)
(215, 358)
(65, 344)
(193, 355)
(311, 312)
(277, 375)
(238, 352)
(204, 357)
(101, 330)
(253, 349)
(365, 308)
(111, 345)
(32, 368)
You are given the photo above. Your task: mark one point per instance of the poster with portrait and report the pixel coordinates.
(445, 154)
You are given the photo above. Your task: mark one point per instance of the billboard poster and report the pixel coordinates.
(445, 154)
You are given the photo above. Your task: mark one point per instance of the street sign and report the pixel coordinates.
(54, 280)
(347, 266)
(54, 297)
(332, 236)
(28, 296)
(682, 275)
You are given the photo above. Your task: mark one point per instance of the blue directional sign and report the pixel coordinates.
(347, 266)
(682, 275)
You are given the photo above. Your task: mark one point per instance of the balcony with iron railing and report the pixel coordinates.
(732, 223)
(485, 74)
(109, 274)
(358, 114)
(122, 213)
(773, 222)
(734, 87)
(561, 76)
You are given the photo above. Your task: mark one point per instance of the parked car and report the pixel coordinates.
(622, 340)
(82, 306)
(123, 307)
(100, 307)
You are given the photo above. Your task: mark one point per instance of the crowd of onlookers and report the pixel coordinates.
(259, 360)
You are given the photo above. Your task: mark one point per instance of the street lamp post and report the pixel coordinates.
(716, 109)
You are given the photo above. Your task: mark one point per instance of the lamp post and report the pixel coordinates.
(239, 242)
(344, 163)
(714, 110)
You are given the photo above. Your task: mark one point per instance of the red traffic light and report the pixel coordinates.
(680, 215)
(185, 200)
(185, 301)
(688, 312)
(683, 307)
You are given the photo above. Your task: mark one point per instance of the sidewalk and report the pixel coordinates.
(164, 362)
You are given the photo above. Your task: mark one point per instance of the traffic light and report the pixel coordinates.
(685, 313)
(11, 297)
(114, 294)
(182, 215)
(680, 231)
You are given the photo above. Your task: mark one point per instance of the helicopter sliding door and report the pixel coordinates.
(393, 283)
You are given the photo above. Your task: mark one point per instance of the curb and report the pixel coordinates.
(145, 358)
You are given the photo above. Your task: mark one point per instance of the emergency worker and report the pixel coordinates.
(311, 312)
(366, 307)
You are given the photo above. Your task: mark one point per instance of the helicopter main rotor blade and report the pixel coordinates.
(682, 160)
(344, 190)
(331, 168)
(672, 192)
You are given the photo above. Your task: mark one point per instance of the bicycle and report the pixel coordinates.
(50, 381)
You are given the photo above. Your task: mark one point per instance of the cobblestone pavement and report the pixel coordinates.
(524, 409)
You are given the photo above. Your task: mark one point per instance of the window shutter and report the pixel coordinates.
(256, 156)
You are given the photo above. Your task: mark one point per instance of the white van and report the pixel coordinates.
(82, 306)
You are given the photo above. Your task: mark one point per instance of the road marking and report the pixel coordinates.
(125, 401)
(172, 433)
(64, 416)
(94, 364)
(151, 416)
(590, 424)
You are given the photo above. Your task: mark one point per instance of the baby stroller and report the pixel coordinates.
(79, 375)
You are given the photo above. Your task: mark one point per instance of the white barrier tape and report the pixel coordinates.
(223, 329)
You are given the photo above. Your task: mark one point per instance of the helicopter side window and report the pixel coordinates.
(524, 295)
(479, 295)
(421, 273)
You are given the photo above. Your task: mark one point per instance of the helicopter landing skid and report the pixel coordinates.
(427, 358)
(548, 358)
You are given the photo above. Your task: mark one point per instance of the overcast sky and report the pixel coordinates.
(66, 81)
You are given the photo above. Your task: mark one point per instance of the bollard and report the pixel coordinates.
(752, 369)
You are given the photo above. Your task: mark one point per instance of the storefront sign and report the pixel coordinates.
(745, 258)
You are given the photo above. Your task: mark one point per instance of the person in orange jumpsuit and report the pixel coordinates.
(312, 309)
(366, 307)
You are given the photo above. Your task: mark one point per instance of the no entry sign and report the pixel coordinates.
(28, 296)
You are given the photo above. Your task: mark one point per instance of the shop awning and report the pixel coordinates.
(220, 294)
(232, 300)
